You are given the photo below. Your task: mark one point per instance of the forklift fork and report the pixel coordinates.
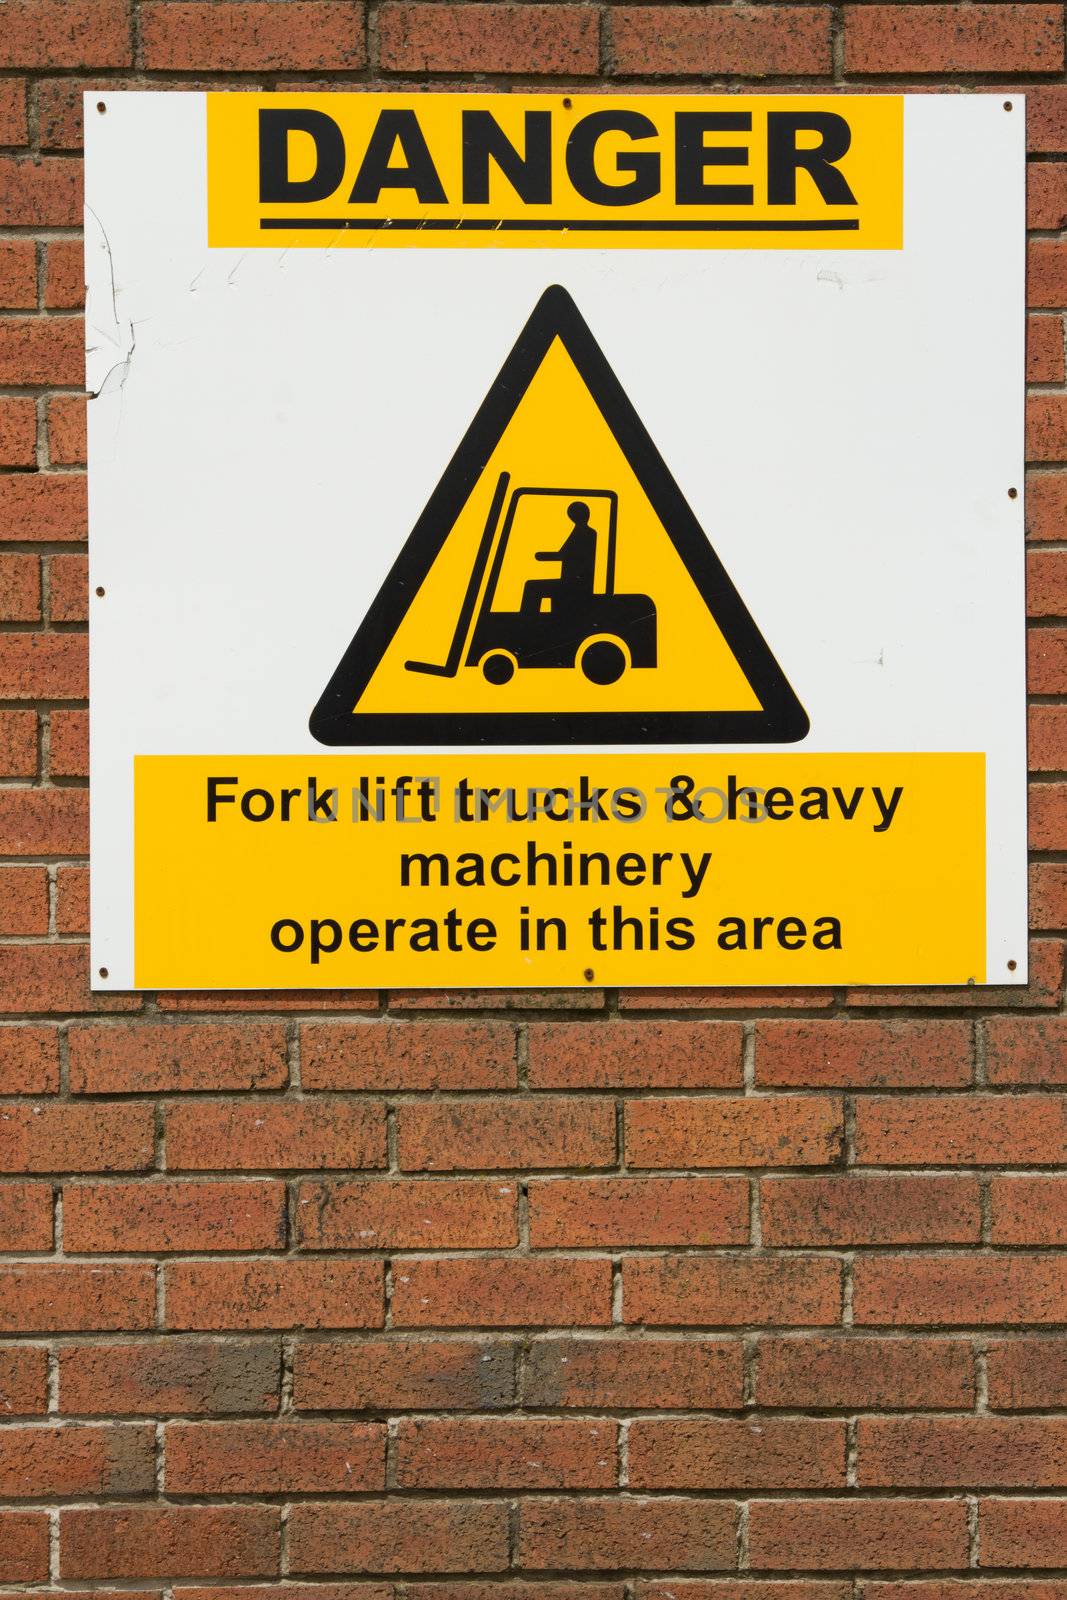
(466, 612)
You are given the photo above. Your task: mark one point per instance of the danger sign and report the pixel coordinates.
(554, 540)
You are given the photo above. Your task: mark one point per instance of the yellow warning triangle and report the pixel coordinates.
(557, 588)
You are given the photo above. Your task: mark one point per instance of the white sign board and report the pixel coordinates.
(552, 540)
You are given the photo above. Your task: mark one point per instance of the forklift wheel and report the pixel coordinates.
(498, 667)
(603, 661)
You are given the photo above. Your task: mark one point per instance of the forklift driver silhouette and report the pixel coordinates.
(576, 556)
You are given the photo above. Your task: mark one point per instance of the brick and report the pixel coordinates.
(169, 1541)
(406, 1375)
(767, 41)
(68, 1297)
(18, 439)
(858, 1053)
(746, 1589)
(68, 587)
(37, 351)
(66, 427)
(23, 900)
(728, 1453)
(164, 1058)
(865, 1535)
(782, 1131)
(1047, 738)
(442, 1135)
(69, 747)
(624, 1212)
(725, 999)
(45, 666)
(730, 1291)
(42, 351)
(412, 1055)
(196, 1376)
(1046, 583)
(1048, 894)
(502, 1292)
(870, 1211)
(20, 576)
(947, 39)
(65, 33)
(489, 38)
(76, 1138)
(72, 900)
(273, 1000)
(273, 1294)
(13, 126)
(1046, 427)
(76, 1459)
(285, 1591)
(1044, 349)
(1046, 195)
(18, 274)
(384, 1536)
(1046, 278)
(228, 1458)
(959, 1291)
(273, 1135)
(496, 1000)
(23, 1380)
(962, 1452)
(18, 744)
(169, 1214)
(25, 1216)
(64, 275)
(961, 1130)
(253, 36)
(40, 191)
(1046, 505)
(1023, 1533)
(637, 1055)
(51, 978)
(658, 1374)
(1046, 660)
(616, 1534)
(1028, 1210)
(40, 822)
(505, 1453)
(1027, 1374)
(391, 1214)
(855, 1373)
(1047, 816)
(36, 505)
(24, 1545)
(29, 1060)
(514, 1591)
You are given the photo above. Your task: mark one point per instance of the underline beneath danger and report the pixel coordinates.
(577, 225)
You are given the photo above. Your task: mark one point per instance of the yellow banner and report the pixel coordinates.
(560, 170)
(542, 871)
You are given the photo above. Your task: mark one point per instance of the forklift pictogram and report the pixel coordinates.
(571, 618)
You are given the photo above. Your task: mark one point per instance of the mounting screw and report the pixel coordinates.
(588, 974)
(1013, 494)
(100, 590)
(1012, 965)
(103, 972)
(101, 107)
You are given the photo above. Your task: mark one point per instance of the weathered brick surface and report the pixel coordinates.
(671, 1294)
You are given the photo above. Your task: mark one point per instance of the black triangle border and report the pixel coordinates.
(782, 719)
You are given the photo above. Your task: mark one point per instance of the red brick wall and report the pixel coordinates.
(703, 1295)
